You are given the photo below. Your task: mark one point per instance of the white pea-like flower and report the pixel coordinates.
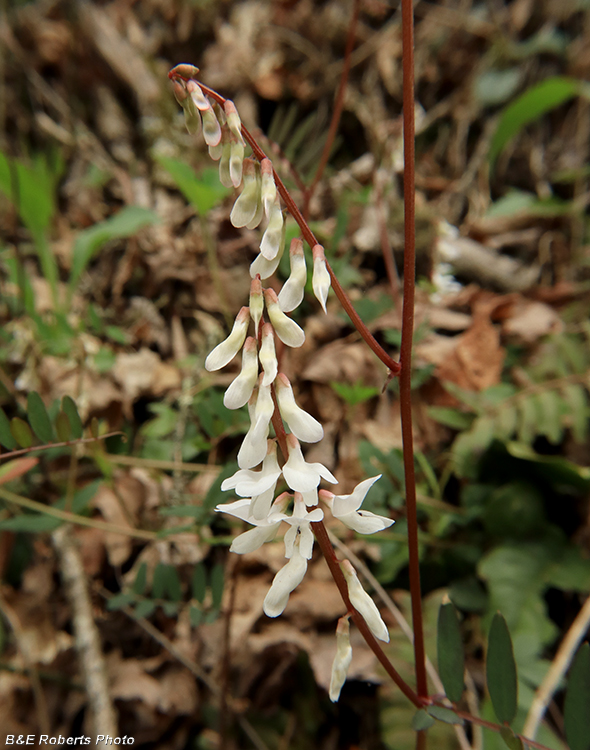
(321, 278)
(363, 603)
(236, 162)
(224, 173)
(300, 532)
(249, 483)
(302, 425)
(302, 476)
(256, 302)
(248, 205)
(211, 128)
(285, 581)
(264, 268)
(253, 448)
(291, 294)
(286, 328)
(272, 239)
(265, 529)
(241, 388)
(268, 357)
(233, 120)
(197, 96)
(346, 509)
(342, 659)
(269, 188)
(227, 350)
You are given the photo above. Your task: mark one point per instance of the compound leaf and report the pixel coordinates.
(451, 664)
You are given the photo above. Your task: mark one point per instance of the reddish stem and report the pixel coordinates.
(311, 240)
(337, 113)
(405, 378)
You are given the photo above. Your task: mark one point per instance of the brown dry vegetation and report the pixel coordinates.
(83, 86)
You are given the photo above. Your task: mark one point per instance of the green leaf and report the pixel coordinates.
(69, 407)
(140, 580)
(505, 422)
(575, 398)
(62, 427)
(217, 576)
(493, 87)
(21, 432)
(196, 616)
(124, 224)
(170, 608)
(453, 418)
(38, 418)
(513, 742)
(6, 437)
(527, 428)
(145, 608)
(203, 191)
(354, 394)
(549, 405)
(199, 583)
(166, 583)
(421, 720)
(577, 700)
(451, 660)
(501, 671)
(119, 601)
(444, 714)
(530, 106)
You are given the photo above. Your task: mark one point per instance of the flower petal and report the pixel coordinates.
(253, 539)
(253, 448)
(299, 475)
(273, 235)
(268, 357)
(287, 329)
(365, 522)
(344, 504)
(341, 660)
(264, 268)
(291, 294)
(363, 603)
(227, 350)
(287, 579)
(241, 388)
(321, 278)
(305, 427)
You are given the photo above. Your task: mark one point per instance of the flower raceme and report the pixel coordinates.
(267, 391)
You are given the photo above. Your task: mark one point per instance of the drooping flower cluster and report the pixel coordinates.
(268, 392)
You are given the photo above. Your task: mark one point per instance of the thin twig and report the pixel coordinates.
(63, 444)
(87, 637)
(405, 378)
(558, 668)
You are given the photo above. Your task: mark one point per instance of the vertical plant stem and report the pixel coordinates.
(405, 377)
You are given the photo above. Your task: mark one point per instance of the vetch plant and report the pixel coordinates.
(261, 385)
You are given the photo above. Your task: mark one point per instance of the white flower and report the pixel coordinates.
(301, 476)
(301, 424)
(256, 302)
(346, 509)
(269, 189)
(285, 581)
(224, 173)
(342, 659)
(253, 449)
(291, 294)
(197, 96)
(241, 388)
(227, 350)
(236, 161)
(273, 239)
(321, 277)
(264, 530)
(363, 603)
(248, 205)
(248, 483)
(300, 532)
(287, 330)
(211, 127)
(268, 357)
(233, 120)
(264, 268)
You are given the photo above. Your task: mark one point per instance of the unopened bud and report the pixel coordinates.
(287, 329)
(342, 659)
(256, 302)
(321, 277)
(233, 120)
(269, 189)
(291, 295)
(268, 357)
